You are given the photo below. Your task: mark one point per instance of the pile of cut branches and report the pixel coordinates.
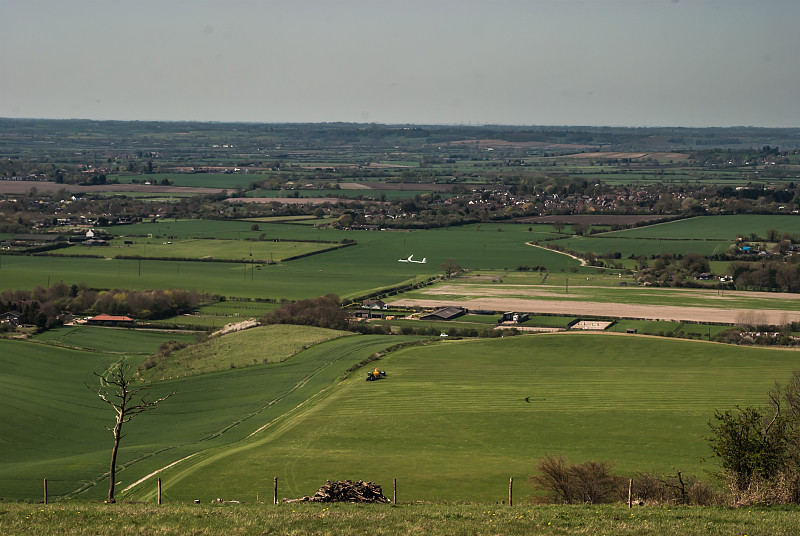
(346, 491)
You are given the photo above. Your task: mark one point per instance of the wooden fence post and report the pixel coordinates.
(394, 492)
(511, 491)
(275, 491)
(159, 490)
(45, 491)
(630, 493)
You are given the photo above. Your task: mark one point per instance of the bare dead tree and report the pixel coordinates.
(117, 387)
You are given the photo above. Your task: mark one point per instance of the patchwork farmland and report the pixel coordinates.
(465, 403)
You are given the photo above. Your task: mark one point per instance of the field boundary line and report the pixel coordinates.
(652, 225)
(582, 261)
(154, 473)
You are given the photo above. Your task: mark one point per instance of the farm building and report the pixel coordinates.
(518, 318)
(369, 313)
(374, 304)
(11, 317)
(38, 239)
(111, 320)
(445, 313)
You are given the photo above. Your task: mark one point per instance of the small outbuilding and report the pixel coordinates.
(445, 313)
(369, 313)
(517, 318)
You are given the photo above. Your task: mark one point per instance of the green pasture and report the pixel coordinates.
(547, 321)
(241, 349)
(716, 227)
(438, 326)
(369, 266)
(54, 427)
(602, 244)
(245, 309)
(345, 519)
(303, 219)
(454, 419)
(291, 281)
(197, 180)
(646, 327)
(198, 249)
(167, 228)
(198, 322)
(112, 340)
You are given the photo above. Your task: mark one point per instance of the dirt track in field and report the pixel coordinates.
(618, 310)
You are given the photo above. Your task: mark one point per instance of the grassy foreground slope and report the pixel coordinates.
(454, 420)
(53, 426)
(349, 519)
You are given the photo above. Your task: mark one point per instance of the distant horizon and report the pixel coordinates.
(469, 125)
(625, 63)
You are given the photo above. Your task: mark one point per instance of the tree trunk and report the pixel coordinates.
(112, 472)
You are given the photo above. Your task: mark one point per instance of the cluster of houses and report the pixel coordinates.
(90, 238)
(15, 318)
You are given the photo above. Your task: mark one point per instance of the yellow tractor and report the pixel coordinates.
(375, 375)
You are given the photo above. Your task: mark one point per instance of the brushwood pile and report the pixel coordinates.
(346, 491)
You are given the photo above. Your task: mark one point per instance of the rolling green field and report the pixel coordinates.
(242, 349)
(368, 266)
(54, 426)
(601, 244)
(111, 340)
(197, 249)
(716, 227)
(451, 420)
(198, 180)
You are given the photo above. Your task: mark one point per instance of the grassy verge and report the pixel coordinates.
(333, 519)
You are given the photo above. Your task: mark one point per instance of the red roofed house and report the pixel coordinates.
(109, 319)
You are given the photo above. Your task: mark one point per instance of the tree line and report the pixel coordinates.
(46, 307)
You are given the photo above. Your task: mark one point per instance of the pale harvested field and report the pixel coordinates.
(495, 290)
(632, 156)
(618, 310)
(353, 186)
(534, 291)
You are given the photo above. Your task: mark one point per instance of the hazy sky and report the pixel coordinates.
(520, 62)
